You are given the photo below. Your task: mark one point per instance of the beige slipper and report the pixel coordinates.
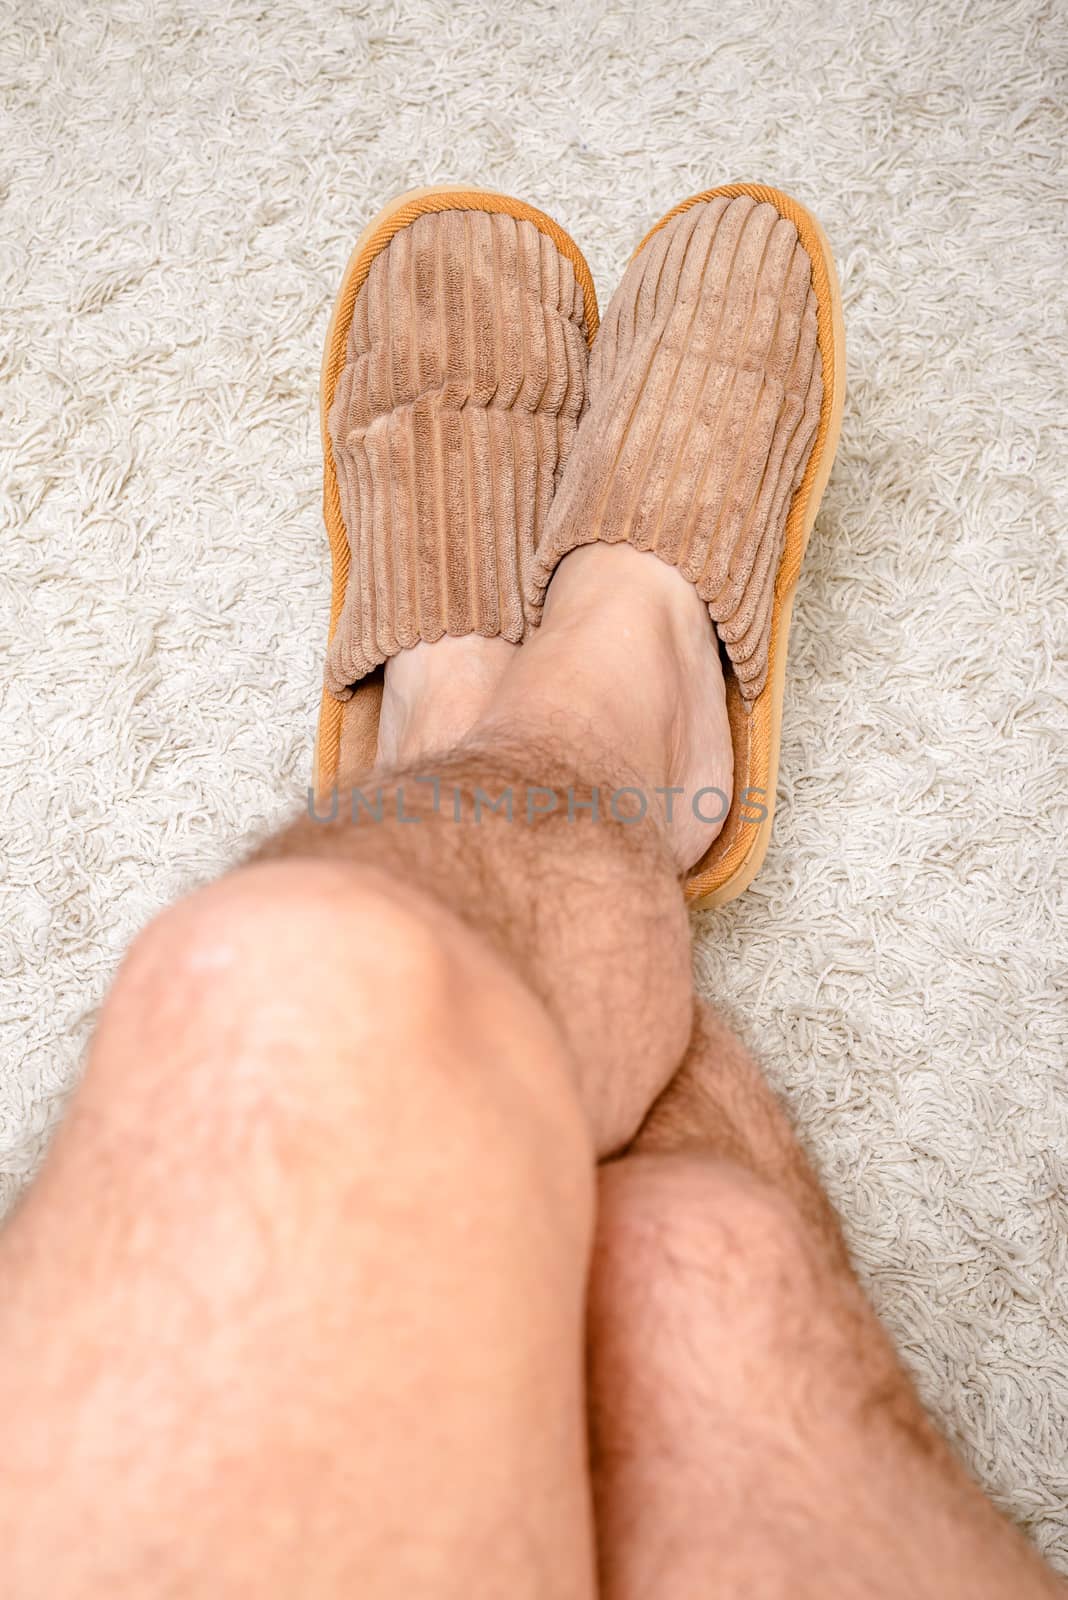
(716, 390)
(453, 380)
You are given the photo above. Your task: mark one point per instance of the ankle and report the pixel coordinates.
(625, 673)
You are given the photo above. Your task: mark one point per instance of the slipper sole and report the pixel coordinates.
(739, 850)
(398, 214)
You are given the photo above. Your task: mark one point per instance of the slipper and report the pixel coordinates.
(717, 383)
(453, 379)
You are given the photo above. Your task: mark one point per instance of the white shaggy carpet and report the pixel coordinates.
(181, 182)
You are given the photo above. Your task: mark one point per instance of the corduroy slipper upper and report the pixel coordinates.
(716, 390)
(453, 380)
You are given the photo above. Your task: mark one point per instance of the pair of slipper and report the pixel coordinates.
(464, 370)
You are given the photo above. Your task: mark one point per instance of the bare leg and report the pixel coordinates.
(619, 689)
(296, 1306)
(753, 1431)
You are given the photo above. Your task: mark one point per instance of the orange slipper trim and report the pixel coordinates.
(376, 236)
(738, 852)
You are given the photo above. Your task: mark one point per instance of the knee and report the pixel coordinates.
(289, 984)
(689, 1246)
(307, 944)
(710, 1294)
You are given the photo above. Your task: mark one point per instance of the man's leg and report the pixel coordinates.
(559, 824)
(753, 1432)
(296, 1305)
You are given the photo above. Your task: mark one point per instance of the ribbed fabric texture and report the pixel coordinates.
(457, 407)
(705, 390)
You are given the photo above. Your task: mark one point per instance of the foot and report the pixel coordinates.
(456, 406)
(705, 391)
(435, 693)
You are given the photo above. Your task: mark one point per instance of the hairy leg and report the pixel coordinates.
(296, 1305)
(753, 1432)
(525, 831)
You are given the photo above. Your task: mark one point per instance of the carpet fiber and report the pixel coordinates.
(181, 183)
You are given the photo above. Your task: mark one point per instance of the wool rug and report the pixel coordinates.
(181, 182)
